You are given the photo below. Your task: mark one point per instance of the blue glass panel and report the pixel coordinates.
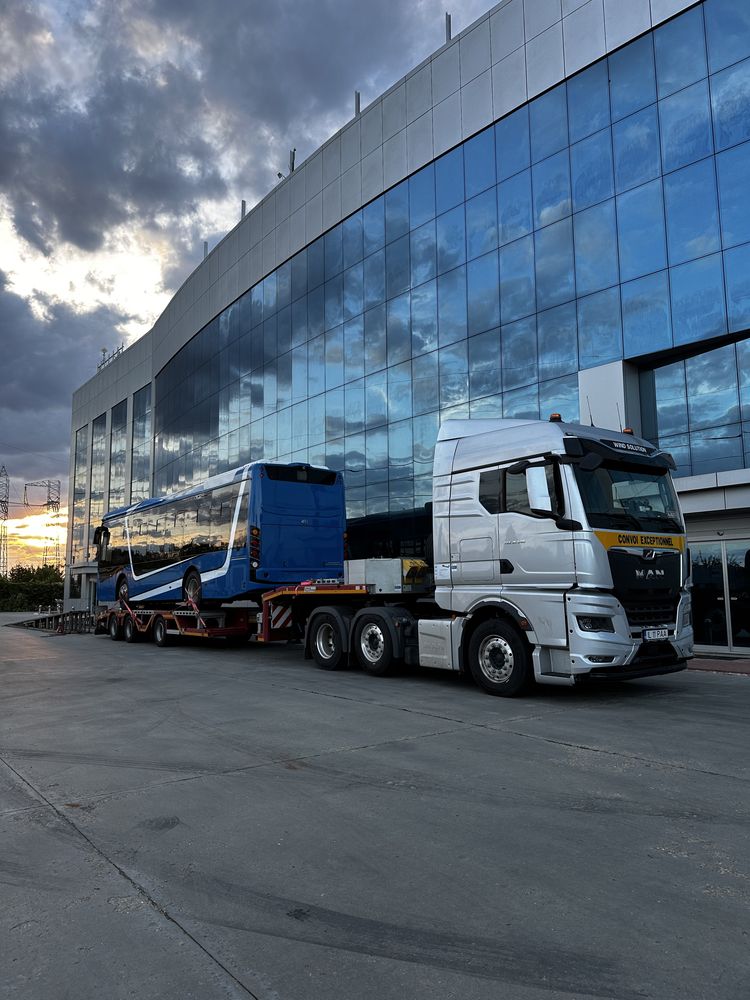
(373, 226)
(548, 118)
(299, 274)
(376, 405)
(712, 391)
(560, 396)
(452, 306)
(554, 265)
(269, 295)
(424, 435)
(374, 279)
(284, 329)
(397, 211)
(453, 365)
(692, 212)
(512, 143)
(716, 450)
(397, 267)
(637, 156)
(299, 426)
(423, 253)
(334, 299)
(269, 387)
(354, 348)
(483, 293)
(400, 459)
(640, 225)
(484, 364)
(685, 126)
(646, 316)
(334, 354)
(519, 353)
(316, 264)
(737, 271)
(486, 406)
(424, 332)
(451, 239)
(398, 332)
(334, 253)
(733, 168)
(599, 328)
(334, 416)
(557, 334)
(375, 344)
(680, 51)
(588, 101)
(299, 322)
(269, 342)
(551, 183)
(743, 371)
(449, 180)
(316, 306)
(698, 300)
(479, 162)
(632, 79)
(256, 304)
(481, 223)
(730, 92)
(514, 207)
(595, 237)
(283, 285)
(591, 170)
(316, 372)
(522, 404)
(517, 295)
(353, 291)
(399, 391)
(727, 32)
(424, 373)
(352, 243)
(422, 196)
(671, 399)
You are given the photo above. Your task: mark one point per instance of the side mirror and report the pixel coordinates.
(97, 536)
(540, 501)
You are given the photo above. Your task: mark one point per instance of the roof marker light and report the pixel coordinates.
(555, 418)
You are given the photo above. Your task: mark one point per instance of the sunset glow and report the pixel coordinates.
(28, 535)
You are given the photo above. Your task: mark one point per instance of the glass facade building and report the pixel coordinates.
(604, 222)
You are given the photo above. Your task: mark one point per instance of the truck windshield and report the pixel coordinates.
(616, 496)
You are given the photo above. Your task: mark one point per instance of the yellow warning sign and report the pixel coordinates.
(634, 539)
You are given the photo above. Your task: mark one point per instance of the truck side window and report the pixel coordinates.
(489, 491)
(517, 497)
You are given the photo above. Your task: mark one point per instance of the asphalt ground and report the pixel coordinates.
(199, 822)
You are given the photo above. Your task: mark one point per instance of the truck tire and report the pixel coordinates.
(159, 631)
(123, 591)
(192, 587)
(327, 643)
(113, 628)
(373, 645)
(130, 630)
(499, 659)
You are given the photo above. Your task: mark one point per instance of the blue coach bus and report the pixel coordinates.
(230, 537)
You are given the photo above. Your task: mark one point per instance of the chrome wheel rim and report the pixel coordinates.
(496, 659)
(372, 642)
(325, 641)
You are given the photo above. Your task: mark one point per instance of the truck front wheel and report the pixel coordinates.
(499, 659)
(373, 645)
(161, 636)
(113, 628)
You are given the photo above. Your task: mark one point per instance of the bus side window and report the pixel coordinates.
(240, 534)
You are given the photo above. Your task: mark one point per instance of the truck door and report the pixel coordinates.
(473, 529)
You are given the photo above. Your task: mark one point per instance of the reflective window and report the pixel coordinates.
(560, 396)
(353, 291)
(551, 185)
(375, 349)
(671, 398)
(424, 330)
(522, 404)
(733, 169)
(737, 274)
(484, 364)
(557, 335)
(397, 267)
(548, 118)
(680, 52)
(482, 288)
(352, 244)
(334, 302)
(519, 353)
(453, 366)
(452, 306)
(374, 276)
(595, 238)
(730, 97)
(479, 162)
(685, 126)
(398, 316)
(396, 212)
(424, 374)
(692, 212)
(449, 180)
(632, 78)
(640, 226)
(512, 143)
(514, 207)
(334, 252)
(517, 285)
(591, 170)
(422, 196)
(423, 253)
(646, 316)
(399, 391)
(636, 143)
(727, 32)
(588, 101)
(698, 300)
(481, 223)
(599, 331)
(712, 391)
(554, 264)
(451, 239)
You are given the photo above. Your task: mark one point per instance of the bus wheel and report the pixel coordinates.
(161, 636)
(499, 659)
(327, 643)
(113, 628)
(123, 594)
(191, 587)
(129, 630)
(373, 645)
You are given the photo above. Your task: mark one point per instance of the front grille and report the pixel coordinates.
(652, 613)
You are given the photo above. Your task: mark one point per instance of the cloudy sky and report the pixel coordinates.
(130, 131)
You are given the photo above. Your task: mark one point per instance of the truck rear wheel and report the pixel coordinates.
(327, 643)
(129, 630)
(161, 636)
(499, 659)
(113, 628)
(373, 645)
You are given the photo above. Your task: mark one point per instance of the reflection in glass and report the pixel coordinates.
(557, 335)
(479, 162)
(731, 106)
(738, 579)
(727, 33)
(481, 224)
(551, 184)
(548, 117)
(685, 127)
(680, 52)
(399, 391)
(449, 180)
(512, 143)
(424, 329)
(599, 333)
(737, 274)
(484, 364)
(517, 297)
(646, 317)
(423, 254)
(733, 169)
(698, 300)
(632, 78)
(452, 306)
(514, 207)
(692, 212)
(397, 324)
(636, 142)
(595, 237)
(483, 292)
(397, 212)
(588, 101)
(640, 227)
(712, 392)
(422, 196)
(709, 606)
(453, 367)
(424, 374)
(451, 239)
(560, 396)
(519, 353)
(591, 170)
(554, 264)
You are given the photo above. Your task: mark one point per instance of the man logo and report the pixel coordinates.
(649, 574)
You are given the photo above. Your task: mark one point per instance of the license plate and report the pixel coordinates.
(655, 633)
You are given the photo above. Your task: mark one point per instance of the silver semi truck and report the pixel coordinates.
(559, 554)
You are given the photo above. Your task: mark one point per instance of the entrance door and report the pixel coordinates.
(721, 595)
(738, 583)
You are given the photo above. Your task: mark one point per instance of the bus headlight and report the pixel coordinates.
(595, 623)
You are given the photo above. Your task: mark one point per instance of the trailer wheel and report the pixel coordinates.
(129, 631)
(123, 592)
(192, 588)
(327, 643)
(113, 628)
(373, 645)
(499, 659)
(161, 636)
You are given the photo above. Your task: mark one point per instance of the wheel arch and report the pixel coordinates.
(394, 618)
(483, 613)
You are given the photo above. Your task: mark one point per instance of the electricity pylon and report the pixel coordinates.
(51, 555)
(4, 495)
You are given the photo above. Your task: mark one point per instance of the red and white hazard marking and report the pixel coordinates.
(281, 616)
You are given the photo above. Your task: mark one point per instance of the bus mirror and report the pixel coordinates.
(538, 490)
(97, 536)
(590, 462)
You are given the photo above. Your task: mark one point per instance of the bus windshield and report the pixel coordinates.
(618, 496)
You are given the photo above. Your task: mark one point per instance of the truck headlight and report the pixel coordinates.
(595, 623)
